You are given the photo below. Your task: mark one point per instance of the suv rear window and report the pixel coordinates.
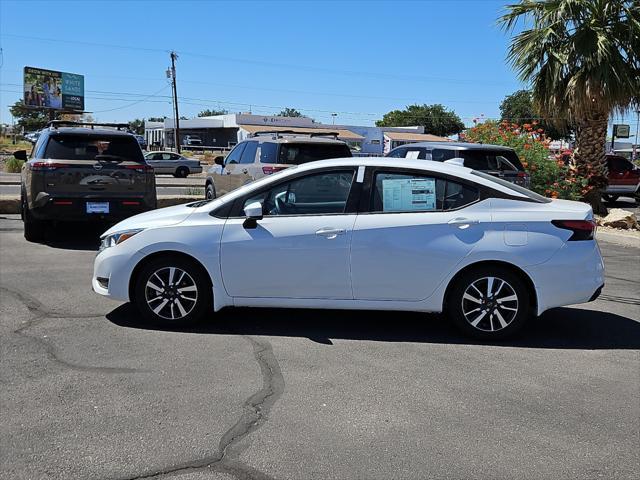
(298, 153)
(93, 147)
(499, 160)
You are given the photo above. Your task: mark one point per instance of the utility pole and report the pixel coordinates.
(176, 123)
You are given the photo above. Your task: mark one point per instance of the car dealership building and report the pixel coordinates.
(224, 131)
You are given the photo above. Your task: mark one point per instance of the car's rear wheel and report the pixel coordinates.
(182, 172)
(33, 229)
(489, 303)
(173, 291)
(610, 198)
(210, 192)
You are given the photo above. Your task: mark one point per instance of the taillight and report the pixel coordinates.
(140, 168)
(44, 166)
(270, 170)
(523, 174)
(582, 229)
(130, 203)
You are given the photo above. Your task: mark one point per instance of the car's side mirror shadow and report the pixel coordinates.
(253, 212)
(20, 155)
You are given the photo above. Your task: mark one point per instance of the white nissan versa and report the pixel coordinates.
(375, 233)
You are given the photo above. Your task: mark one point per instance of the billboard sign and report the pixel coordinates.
(51, 89)
(621, 131)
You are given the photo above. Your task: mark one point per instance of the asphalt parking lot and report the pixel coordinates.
(87, 391)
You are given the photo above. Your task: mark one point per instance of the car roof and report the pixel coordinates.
(457, 146)
(294, 139)
(88, 131)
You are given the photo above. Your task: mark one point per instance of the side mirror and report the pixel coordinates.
(253, 212)
(219, 161)
(20, 155)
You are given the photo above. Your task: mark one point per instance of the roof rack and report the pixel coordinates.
(68, 123)
(280, 133)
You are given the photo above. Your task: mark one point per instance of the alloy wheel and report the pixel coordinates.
(490, 304)
(171, 293)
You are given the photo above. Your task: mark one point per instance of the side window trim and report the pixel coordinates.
(239, 147)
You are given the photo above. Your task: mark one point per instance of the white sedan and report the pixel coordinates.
(375, 234)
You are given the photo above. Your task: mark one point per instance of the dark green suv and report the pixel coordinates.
(84, 172)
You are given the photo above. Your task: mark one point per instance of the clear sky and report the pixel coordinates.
(358, 59)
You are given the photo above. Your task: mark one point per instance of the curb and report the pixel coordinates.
(624, 239)
(11, 203)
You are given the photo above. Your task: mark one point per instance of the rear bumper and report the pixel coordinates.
(574, 274)
(75, 209)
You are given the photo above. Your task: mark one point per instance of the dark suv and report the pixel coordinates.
(494, 160)
(80, 172)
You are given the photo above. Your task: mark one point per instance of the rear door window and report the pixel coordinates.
(299, 153)
(268, 152)
(249, 154)
(397, 153)
(487, 160)
(93, 147)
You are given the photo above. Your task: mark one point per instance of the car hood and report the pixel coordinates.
(162, 217)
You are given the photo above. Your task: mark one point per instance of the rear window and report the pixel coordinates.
(93, 147)
(512, 186)
(298, 153)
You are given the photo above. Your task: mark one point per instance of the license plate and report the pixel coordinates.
(97, 207)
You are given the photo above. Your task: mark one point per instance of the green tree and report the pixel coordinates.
(30, 118)
(137, 126)
(290, 112)
(212, 113)
(435, 119)
(582, 59)
(518, 108)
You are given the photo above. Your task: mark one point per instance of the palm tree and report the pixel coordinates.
(582, 59)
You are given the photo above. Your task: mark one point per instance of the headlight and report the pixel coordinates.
(115, 238)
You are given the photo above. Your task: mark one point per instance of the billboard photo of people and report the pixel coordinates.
(52, 89)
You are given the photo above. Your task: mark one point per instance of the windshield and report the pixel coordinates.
(94, 147)
(512, 186)
(298, 153)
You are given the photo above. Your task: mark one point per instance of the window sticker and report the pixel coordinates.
(413, 154)
(408, 194)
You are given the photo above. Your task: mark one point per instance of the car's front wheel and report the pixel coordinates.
(182, 172)
(173, 291)
(210, 192)
(489, 303)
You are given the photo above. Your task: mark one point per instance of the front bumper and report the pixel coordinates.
(112, 270)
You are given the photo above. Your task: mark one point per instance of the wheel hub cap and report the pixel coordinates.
(490, 304)
(171, 293)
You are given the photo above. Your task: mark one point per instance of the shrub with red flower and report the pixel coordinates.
(549, 177)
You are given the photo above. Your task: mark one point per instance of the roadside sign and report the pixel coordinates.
(621, 131)
(53, 89)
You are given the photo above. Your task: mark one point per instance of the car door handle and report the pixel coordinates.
(462, 222)
(330, 233)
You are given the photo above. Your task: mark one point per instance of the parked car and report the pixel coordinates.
(32, 137)
(173, 163)
(141, 141)
(192, 140)
(81, 172)
(375, 234)
(267, 153)
(496, 160)
(624, 179)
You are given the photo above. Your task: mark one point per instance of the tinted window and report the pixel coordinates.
(235, 154)
(514, 187)
(619, 164)
(93, 147)
(397, 153)
(319, 194)
(395, 192)
(249, 154)
(268, 152)
(504, 160)
(440, 154)
(298, 153)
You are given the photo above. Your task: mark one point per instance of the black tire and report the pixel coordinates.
(610, 198)
(183, 312)
(182, 172)
(491, 325)
(210, 192)
(33, 229)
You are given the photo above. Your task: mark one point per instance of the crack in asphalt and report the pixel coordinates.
(39, 314)
(255, 413)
